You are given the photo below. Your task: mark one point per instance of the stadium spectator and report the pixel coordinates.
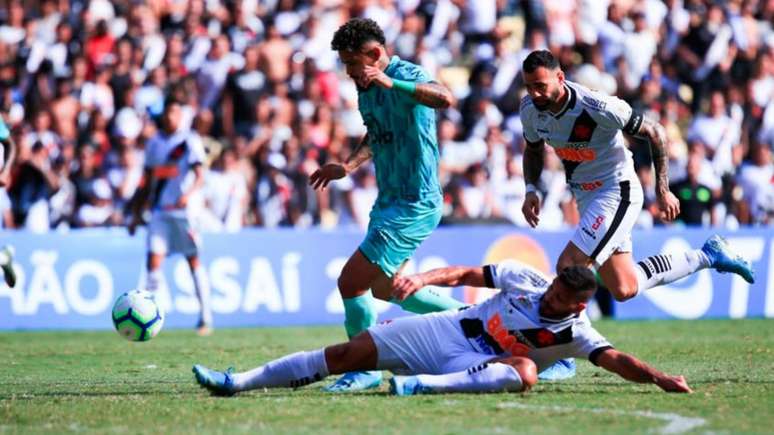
(260, 78)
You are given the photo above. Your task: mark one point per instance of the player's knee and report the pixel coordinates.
(336, 357)
(624, 291)
(527, 371)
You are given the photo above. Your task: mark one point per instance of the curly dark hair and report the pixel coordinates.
(578, 278)
(356, 32)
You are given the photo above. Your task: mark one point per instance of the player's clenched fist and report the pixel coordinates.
(329, 172)
(531, 208)
(669, 206)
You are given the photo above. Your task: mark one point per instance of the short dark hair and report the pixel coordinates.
(578, 279)
(539, 58)
(355, 33)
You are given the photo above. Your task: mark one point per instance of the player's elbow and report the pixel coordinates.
(446, 101)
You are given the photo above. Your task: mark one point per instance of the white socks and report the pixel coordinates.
(154, 279)
(489, 377)
(291, 371)
(202, 286)
(663, 269)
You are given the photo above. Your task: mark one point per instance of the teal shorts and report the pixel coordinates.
(396, 230)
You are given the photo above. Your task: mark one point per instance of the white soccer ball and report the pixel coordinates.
(136, 316)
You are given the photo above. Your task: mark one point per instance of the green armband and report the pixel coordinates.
(402, 85)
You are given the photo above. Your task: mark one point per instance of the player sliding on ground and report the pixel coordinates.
(585, 129)
(397, 100)
(498, 345)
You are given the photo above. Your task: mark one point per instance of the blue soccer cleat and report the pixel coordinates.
(219, 383)
(407, 386)
(561, 370)
(724, 260)
(355, 381)
(6, 264)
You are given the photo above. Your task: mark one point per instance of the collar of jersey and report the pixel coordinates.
(392, 65)
(569, 104)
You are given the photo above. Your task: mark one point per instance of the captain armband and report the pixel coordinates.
(635, 122)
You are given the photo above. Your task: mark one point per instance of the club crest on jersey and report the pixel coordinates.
(524, 301)
(582, 132)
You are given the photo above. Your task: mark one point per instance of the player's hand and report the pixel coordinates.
(531, 208)
(374, 75)
(329, 172)
(674, 384)
(405, 286)
(182, 202)
(669, 206)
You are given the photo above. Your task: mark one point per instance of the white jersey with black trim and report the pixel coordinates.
(509, 323)
(586, 135)
(171, 158)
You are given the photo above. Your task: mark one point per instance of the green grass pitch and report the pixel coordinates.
(96, 382)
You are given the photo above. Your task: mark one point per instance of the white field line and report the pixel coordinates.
(676, 423)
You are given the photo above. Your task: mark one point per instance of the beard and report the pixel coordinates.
(548, 101)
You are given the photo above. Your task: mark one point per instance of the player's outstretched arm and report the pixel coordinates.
(533, 162)
(452, 276)
(333, 171)
(632, 369)
(656, 136)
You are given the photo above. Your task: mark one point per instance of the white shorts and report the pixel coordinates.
(172, 234)
(607, 218)
(430, 344)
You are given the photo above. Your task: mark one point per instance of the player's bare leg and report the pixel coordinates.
(354, 283)
(619, 276)
(202, 285)
(625, 278)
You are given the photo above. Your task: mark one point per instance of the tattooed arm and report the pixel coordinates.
(333, 171)
(433, 95)
(359, 155)
(655, 134)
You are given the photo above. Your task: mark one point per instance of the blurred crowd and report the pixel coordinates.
(83, 82)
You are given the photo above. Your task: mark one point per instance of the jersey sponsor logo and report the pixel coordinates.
(502, 336)
(377, 132)
(166, 171)
(576, 155)
(591, 185)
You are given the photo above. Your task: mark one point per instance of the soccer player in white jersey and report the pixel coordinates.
(585, 129)
(7, 157)
(173, 172)
(498, 345)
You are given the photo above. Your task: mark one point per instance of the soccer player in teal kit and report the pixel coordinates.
(397, 100)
